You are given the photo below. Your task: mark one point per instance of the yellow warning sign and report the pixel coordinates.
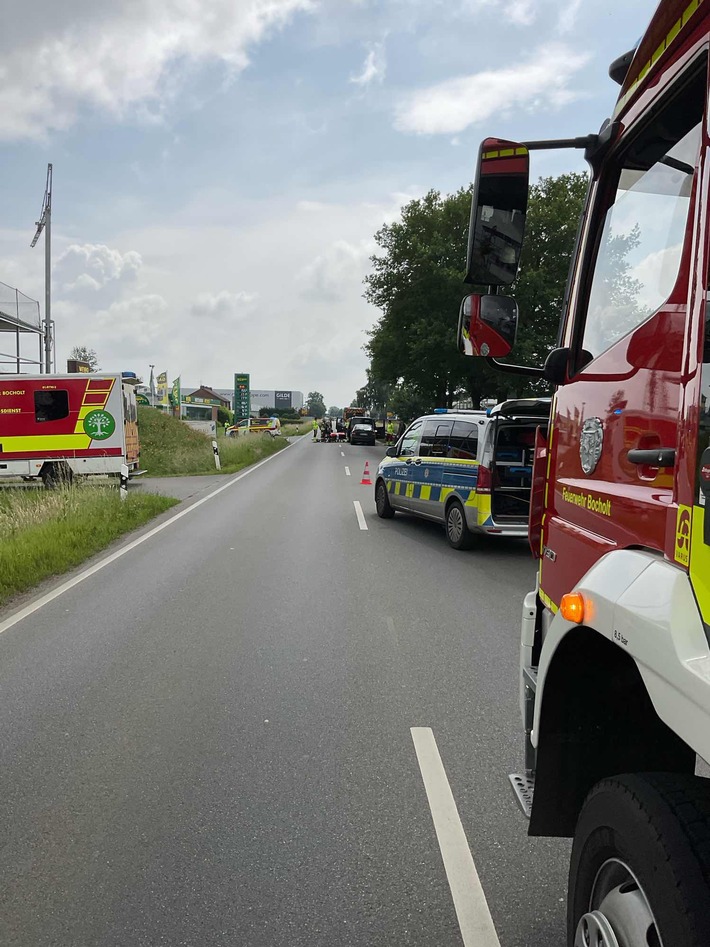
(682, 535)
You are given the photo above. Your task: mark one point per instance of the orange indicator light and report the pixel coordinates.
(572, 607)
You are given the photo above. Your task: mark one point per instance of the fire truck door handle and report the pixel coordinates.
(658, 457)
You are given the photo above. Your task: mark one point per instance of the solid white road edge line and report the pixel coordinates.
(92, 570)
(360, 515)
(347, 471)
(472, 912)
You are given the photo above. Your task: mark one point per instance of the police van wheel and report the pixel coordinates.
(457, 532)
(640, 866)
(382, 501)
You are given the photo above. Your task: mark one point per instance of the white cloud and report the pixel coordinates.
(568, 16)
(91, 266)
(140, 321)
(451, 106)
(374, 67)
(225, 306)
(331, 275)
(123, 58)
(519, 12)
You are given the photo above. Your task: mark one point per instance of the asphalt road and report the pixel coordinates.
(208, 742)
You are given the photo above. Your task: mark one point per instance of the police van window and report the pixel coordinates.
(643, 229)
(463, 443)
(51, 405)
(409, 446)
(435, 438)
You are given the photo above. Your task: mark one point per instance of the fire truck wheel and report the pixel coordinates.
(56, 475)
(457, 532)
(382, 501)
(640, 867)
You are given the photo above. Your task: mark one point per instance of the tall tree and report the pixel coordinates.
(554, 209)
(83, 354)
(417, 284)
(315, 403)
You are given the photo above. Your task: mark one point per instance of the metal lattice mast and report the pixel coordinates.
(45, 223)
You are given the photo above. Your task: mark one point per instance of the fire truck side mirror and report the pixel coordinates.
(487, 325)
(498, 208)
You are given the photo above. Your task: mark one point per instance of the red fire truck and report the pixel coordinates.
(615, 647)
(56, 426)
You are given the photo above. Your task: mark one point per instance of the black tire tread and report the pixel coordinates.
(468, 539)
(676, 808)
(387, 510)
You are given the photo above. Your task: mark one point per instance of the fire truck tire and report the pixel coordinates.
(640, 866)
(56, 475)
(382, 501)
(457, 532)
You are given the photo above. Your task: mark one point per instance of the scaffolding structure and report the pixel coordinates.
(19, 316)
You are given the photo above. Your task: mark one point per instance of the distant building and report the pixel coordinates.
(205, 395)
(281, 398)
(275, 398)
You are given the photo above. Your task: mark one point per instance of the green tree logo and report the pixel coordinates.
(99, 425)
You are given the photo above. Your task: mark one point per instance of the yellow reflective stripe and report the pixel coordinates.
(504, 153)
(39, 443)
(683, 530)
(700, 563)
(445, 492)
(397, 487)
(546, 600)
(450, 461)
(410, 490)
(484, 507)
(671, 35)
(426, 491)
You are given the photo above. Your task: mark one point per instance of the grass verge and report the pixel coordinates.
(47, 532)
(170, 448)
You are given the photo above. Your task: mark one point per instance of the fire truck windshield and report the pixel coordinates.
(643, 229)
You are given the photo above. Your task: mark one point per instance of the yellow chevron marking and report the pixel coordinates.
(548, 601)
(39, 443)
(671, 35)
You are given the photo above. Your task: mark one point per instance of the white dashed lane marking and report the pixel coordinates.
(360, 515)
(472, 912)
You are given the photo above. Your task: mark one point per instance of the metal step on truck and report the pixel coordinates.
(615, 644)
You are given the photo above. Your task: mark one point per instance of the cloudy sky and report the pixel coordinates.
(221, 166)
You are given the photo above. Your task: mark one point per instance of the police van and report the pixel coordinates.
(469, 470)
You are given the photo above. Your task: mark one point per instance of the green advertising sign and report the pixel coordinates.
(175, 394)
(242, 396)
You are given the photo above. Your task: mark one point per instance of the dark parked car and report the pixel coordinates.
(362, 432)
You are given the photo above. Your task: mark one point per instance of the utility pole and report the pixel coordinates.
(45, 223)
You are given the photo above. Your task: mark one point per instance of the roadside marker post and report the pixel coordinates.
(124, 481)
(217, 461)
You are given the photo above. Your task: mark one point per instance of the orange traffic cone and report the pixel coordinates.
(366, 475)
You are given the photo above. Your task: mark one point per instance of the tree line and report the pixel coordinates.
(417, 284)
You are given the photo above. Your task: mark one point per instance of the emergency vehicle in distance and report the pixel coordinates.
(56, 426)
(615, 646)
(469, 470)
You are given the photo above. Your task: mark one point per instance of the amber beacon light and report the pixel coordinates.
(572, 607)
